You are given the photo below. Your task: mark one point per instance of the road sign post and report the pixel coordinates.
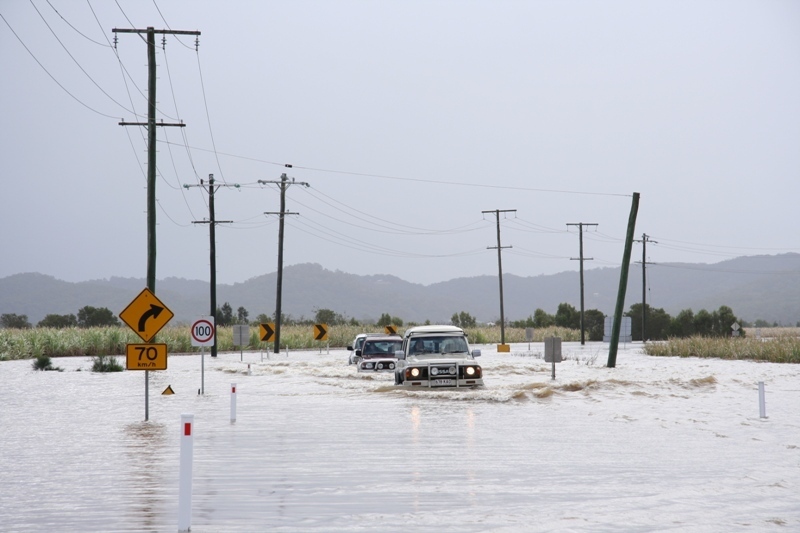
(529, 336)
(321, 334)
(204, 333)
(266, 332)
(552, 352)
(241, 338)
(146, 356)
(146, 315)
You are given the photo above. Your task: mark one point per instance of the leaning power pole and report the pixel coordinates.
(623, 283)
(283, 184)
(151, 142)
(644, 241)
(212, 223)
(500, 268)
(151, 165)
(581, 259)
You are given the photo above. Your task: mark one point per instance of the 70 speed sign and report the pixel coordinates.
(203, 331)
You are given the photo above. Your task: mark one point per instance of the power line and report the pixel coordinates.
(75, 60)
(400, 178)
(121, 64)
(51, 76)
(208, 117)
(387, 226)
(76, 29)
(704, 245)
(168, 26)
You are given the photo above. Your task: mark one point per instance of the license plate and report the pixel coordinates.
(443, 382)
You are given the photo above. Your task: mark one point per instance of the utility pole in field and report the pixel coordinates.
(644, 241)
(500, 268)
(151, 142)
(151, 164)
(581, 259)
(283, 184)
(212, 222)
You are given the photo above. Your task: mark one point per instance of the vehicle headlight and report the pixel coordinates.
(452, 370)
(415, 372)
(470, 370)
(380, 366)
(391, 366)
(368, 365)
(434, 371)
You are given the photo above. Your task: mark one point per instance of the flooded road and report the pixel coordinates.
(654, 444)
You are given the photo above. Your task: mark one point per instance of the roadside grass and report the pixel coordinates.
(81, 342)
(783, 348)
(778, 345)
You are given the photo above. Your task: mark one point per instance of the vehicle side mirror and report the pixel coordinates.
(358, 353)
(350, 348)
(476, 353)
(400, 354)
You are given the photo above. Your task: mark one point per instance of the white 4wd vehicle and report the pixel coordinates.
(437, 356)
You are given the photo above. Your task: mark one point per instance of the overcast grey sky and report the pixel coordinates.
(407, 119)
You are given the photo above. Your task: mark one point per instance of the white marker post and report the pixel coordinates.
(185, 484)
(233, 402)
(762, 405)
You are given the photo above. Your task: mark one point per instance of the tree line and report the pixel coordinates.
(88, 317)
(658, 323)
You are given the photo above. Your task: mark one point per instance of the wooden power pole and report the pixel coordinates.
(212, 223)
(644, 241)
(283, 184)
(582, 259)
(151, 163)
(500, 268)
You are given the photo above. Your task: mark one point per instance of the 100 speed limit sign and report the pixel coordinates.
(203, 331)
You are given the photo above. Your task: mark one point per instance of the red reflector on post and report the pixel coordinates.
(187, 429)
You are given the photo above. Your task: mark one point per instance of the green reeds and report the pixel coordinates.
(780, 349)
(77, 342)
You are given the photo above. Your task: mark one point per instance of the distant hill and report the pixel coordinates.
(756, 287)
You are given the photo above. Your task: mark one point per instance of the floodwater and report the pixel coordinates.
(653, 444)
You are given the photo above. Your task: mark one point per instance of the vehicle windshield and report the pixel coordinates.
(359, 343)
(380, 348)
(443, 345)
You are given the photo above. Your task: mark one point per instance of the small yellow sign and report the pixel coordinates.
(266, 331)
(146, 315)
(146, 356)
(390, 330)
(320, 332)
(168, 391)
